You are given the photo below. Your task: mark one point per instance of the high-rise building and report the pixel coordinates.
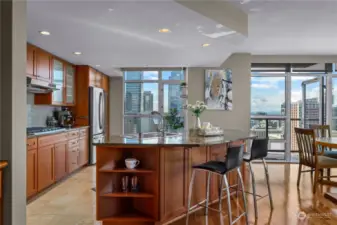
(295, 114)
(133, 97)
(147, 101)
(311, 113)
(174, 99)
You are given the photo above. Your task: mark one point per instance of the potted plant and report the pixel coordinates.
(174, 120)
(183, 84)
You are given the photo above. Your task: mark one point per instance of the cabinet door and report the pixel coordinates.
(70, 84)
(58, 79)
(31, 172)
(105, 83)
(43, 68)
(73, 159)
(30, 61)
(84, 151)
(98, 79)
(60, 166)
(92, 77)
(45, 166)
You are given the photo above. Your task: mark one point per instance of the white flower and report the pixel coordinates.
(197, 103)
(189, 106)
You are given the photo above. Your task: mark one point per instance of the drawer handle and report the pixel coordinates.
(31, 144)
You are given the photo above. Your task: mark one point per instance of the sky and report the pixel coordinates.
(268, 93)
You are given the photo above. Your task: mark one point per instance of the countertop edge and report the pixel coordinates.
(57, 132)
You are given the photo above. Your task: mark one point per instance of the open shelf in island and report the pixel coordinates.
(106, 169)
(128, 195)
(129, 217)
(115, 206)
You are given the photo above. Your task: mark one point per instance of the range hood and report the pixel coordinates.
(39, 86)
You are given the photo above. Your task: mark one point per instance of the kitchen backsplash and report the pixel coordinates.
(37, 114)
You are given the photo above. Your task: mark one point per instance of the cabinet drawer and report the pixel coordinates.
(31, 143)
(72, 160)
(74, 149)
(51, 139)
(73, 134)
(84, 132)
(73, 143)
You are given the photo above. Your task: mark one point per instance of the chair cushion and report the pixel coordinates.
(332, 153)
(327, 162)
(213, 166)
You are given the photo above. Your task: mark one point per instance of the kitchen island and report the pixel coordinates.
(164, 174)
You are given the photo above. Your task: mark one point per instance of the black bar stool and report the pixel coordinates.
(234, 159)
(259, 150)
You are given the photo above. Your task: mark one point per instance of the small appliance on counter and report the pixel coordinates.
(52, 122)
(65, 118)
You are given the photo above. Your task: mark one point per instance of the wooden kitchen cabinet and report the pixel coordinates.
(45, 159)
(43, 65)
(105, 83)
(31, 172)
(70, 84)
(98, 79)
(60, 164)
(30, 61)
(58, 80)
(83, 158)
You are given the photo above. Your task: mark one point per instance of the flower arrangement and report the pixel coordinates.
(198, 108)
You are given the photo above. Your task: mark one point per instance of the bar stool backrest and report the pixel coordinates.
(234, 157)
(259, 149)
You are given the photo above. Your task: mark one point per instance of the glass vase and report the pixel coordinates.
(197, 122)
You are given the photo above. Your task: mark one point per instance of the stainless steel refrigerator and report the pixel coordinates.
(97, 117)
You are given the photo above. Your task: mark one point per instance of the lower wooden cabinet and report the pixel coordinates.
(45, 166)
(60, 165)
(31, 172)
(83, 158)
(52, 157)
(72, 156)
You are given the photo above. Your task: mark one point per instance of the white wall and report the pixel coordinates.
(239, 118)
(116, 105)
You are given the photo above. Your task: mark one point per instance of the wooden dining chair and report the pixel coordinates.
(309, 156)
(324, 131)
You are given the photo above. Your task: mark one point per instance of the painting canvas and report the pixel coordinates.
(218, 89)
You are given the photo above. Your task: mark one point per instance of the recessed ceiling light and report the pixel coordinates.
(244, 1)
(77, 53)
(111, 9)
(205, 45)
(98, 65)
(44, 32)
(164, 30)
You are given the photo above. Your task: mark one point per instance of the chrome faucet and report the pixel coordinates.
(162, 130)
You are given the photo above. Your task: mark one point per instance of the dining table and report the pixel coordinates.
(330, 142)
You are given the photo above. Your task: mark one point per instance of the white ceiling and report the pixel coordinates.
(291, 27)
(128, 36)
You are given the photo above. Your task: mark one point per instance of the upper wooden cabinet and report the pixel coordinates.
(58, 79)
(105, 83)
(70, 84)
(30, 61)
(43, 65)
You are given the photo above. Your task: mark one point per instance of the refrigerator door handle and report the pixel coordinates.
(100, 110)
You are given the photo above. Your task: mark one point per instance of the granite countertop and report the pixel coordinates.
(56, 132)
(183, 139)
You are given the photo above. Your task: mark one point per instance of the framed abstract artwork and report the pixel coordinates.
(218, 89)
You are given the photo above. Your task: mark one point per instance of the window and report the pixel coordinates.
(150, 90)
(267, 95)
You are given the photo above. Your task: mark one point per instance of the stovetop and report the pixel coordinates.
(43, 130)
